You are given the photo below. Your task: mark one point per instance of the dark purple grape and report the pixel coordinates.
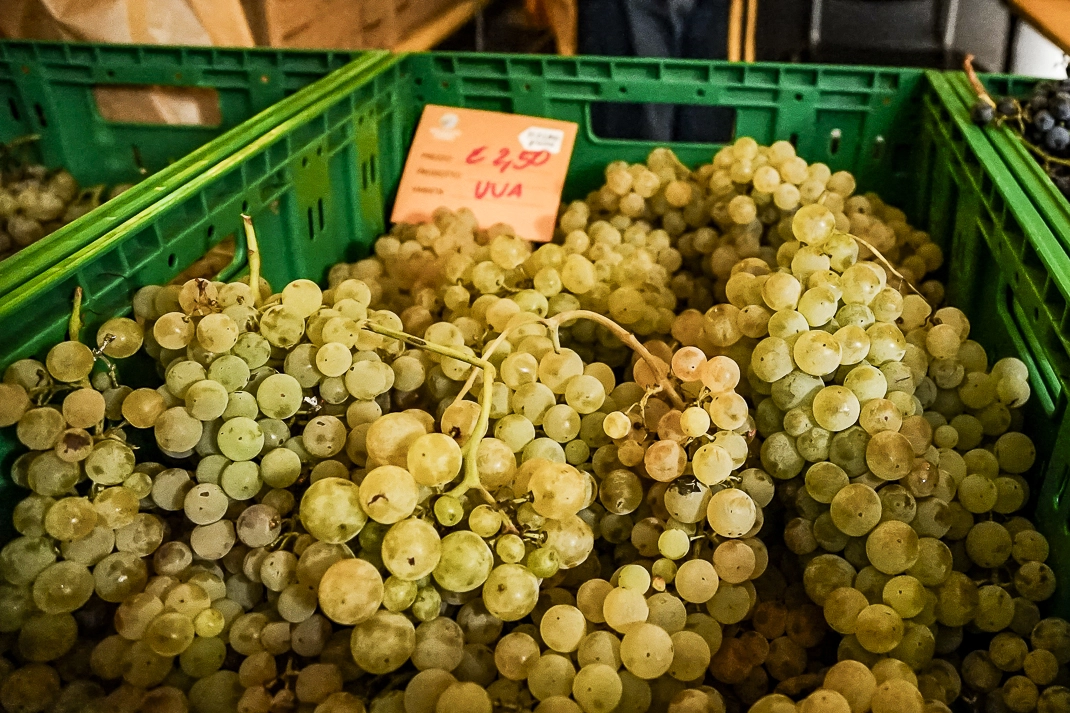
(1007, 106)
(982, 113)
(1058, 138)
(1038, 102)
(1044, 121)
(1059, 106)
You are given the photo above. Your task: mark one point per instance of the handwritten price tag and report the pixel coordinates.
(506, 168)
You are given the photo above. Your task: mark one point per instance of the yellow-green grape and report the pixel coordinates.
(14, 400)
(1041, 666)
(572, 538)
(434, 459)
(694, 422)
(674, 544)
(879, 628)
(279, 396)
(836, 408)
(448, 510)
(893, 547)
(324, 436)
(510, 548)
(731, 512)
(388, 494)
(350, 591)
(544, 562)
(842, 606)
(989, 544)
(617, 425)
(465, 562)
(906, 595)
(712, 464)
(173, 330)
(817, 353)
(696, 581)
(142, 407)
(411, 549)
(331, 510)
(855, 509)
(647, 650)
(720, 374)
(63, 587)
(813, 224)
(383, 642)
(771, 359)
(510, 591)
(559, 490)
(40, 428)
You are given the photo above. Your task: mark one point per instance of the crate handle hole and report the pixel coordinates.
(364, 175)
(304, 161)
(245, 206)
(319, 150)
(834, 141)
(211, 231)
(40, 114)
(311, 226)
(798, 97)
(171, 260)
(879, 145)
(794, 140)
(15, 114)
(662, 121)
(139, 104)
(319, 204)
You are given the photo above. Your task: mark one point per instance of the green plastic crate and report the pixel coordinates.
(1049, 201)
(47, 89)
(319, 189)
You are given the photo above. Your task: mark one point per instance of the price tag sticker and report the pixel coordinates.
(506, 168)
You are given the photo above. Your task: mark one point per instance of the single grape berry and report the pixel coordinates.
(1057, 139)
(1007, 106)
(1043, 121)
(1059, 106)
(982, 113)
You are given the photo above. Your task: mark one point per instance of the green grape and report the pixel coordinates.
(331, 510)
(411, 549)
(465, 562)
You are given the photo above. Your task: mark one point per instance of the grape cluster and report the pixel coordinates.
(1042, 121)
(35, 201)
(706, 452)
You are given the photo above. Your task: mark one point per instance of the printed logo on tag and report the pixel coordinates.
(447, 128)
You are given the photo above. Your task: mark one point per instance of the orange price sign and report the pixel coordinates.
(506, 168)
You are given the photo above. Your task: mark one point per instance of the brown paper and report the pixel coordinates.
(174, 22)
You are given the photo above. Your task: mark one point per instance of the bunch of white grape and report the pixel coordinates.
(35, 201)
(706, 452)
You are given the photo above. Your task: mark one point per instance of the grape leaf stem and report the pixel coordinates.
(661, 372)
